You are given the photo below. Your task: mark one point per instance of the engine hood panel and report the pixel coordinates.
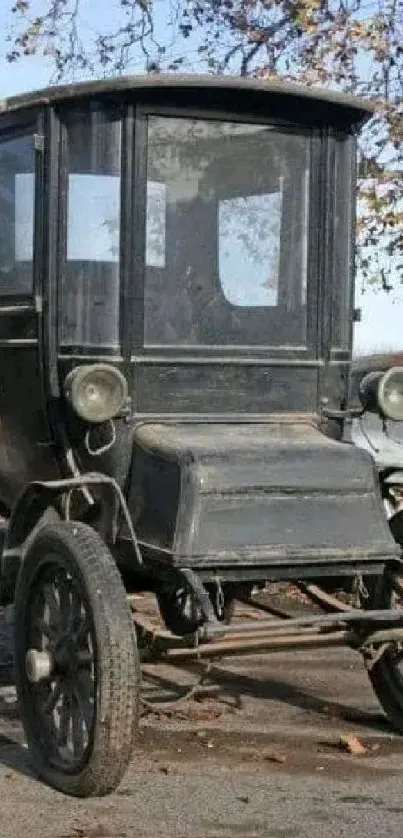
(218, 492)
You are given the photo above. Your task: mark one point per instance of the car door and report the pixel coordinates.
(25, 444)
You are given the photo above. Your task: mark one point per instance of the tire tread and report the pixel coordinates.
(118, 662)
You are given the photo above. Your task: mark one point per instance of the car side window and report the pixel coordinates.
(17, 204)
(249, 240)
(89, 290)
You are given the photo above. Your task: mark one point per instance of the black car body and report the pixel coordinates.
(176, 317)
(229, 447)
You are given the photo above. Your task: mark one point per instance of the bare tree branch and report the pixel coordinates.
(351, 45)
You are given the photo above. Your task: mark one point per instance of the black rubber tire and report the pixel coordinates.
(83, 553)
(177, 622)
(385, 677)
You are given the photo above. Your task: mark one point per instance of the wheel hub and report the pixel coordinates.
(39, 665)
(67, 656)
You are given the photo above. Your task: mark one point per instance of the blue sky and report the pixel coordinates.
(382, 314)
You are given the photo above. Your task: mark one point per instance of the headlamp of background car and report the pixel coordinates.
(382, 392)
(97, 392)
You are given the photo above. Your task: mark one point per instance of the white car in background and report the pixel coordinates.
(382, 437)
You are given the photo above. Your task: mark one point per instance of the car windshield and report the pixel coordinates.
(226, 234)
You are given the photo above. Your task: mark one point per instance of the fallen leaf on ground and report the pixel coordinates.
(96, 831)
(204, 740)
(352, 745)
(280, 759)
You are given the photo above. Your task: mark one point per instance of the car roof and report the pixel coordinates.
(359, 109)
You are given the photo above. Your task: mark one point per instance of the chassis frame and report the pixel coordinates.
(368, 631)
(224, 466)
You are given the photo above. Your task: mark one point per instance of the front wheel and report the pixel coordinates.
(386, 675)
(76, 661)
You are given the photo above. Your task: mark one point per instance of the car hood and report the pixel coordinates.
(262, 492)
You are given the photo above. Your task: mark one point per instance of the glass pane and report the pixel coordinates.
(155, 224)
(227, 231)
(17, 205)
(249, 232)
(89, 296)
(94, 205)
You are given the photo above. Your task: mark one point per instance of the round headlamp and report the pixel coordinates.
(382, 392)
(97, 392)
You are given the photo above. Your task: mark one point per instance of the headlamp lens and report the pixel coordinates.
(383, 393)
(97, 392)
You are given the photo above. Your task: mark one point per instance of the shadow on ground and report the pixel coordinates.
(232, 688)
(13, 755)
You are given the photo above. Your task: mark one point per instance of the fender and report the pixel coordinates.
(41, 502)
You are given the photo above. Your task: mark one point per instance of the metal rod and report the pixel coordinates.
(357, 615)
(165, 639)
(266, 607)
(320, 597)
(384, 636)
(81, 481)
(265, 642)
(284, 631)
(259, 644)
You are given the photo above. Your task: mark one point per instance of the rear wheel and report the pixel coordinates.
(182, 614)
(386, 675)
(76, 661)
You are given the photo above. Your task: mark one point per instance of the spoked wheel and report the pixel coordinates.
(386, 674)
(76, 661)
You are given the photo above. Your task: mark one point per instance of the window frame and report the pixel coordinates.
(308, 353)
(10, 129)
(341, 294)
(62, 114)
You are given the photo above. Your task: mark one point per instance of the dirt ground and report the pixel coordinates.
(261, 757)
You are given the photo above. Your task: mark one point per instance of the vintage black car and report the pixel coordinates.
(176, 314)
